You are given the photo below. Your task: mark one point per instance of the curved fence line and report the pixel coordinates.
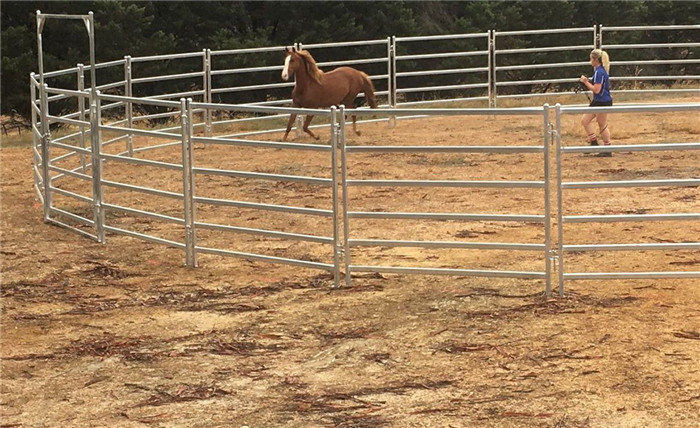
(186, 139)
(493, 65)
(480, 65)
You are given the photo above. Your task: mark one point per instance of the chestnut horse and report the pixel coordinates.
(316, 89)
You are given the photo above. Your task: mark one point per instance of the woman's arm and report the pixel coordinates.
(591, 87)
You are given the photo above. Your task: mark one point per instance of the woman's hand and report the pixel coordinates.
(583, 79)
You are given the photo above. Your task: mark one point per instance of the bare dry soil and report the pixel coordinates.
(124, 335)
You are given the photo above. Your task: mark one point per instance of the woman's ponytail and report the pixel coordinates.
(602, 58)
(605, 60)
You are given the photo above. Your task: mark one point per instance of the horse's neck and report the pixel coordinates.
(304, 79)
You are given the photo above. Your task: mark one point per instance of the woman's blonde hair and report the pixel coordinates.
(602, 58)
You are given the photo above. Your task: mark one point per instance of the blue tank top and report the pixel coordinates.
(601, 76)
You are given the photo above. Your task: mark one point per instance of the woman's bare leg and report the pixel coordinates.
(602, 120)
(603, 127)
(587, 122)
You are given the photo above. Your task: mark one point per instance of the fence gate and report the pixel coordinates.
(65, 203)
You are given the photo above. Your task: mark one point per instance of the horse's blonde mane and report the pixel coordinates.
(315, 72)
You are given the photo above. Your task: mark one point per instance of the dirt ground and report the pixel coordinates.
(124, 335)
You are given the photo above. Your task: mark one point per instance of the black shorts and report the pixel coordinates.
(600, 103)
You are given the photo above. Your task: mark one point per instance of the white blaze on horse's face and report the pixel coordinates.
(285, 71)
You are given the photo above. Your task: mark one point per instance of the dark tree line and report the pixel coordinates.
(140, 28)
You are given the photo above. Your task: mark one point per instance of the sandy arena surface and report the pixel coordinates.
(124, 335)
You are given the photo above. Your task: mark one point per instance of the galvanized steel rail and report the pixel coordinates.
(543, 219)
(476, 81)
(565, 247)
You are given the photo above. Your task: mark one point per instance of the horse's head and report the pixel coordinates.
(300, 61)
(292, 62)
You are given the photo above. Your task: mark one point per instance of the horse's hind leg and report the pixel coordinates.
(306, 126)
(350, 103)
(292, 118)
(354, 125)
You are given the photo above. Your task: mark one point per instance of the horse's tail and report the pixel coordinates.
(368, 89)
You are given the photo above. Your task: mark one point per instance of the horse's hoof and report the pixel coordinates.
(358, 133)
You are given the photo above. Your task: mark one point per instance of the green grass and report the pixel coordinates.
(13, 139)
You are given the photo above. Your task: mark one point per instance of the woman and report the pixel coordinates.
(599, 84)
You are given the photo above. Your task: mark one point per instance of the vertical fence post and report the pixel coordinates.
(598, 31)
(186, 138)
(394, 68)
(46, 152)
(190, 171)
(81, 113)
(489, 49)
(90, 24)
(129, 107)
(335, 135)
(35, 141)
(299, 122)
(560, 201)
(96, 142)
(44, 111)
(493, 93)
(389, 85)
(391, 80)
(547, 134)
(207, 92)
(344, 180)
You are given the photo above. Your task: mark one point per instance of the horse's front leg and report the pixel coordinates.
(307, 121)
(292, 118)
